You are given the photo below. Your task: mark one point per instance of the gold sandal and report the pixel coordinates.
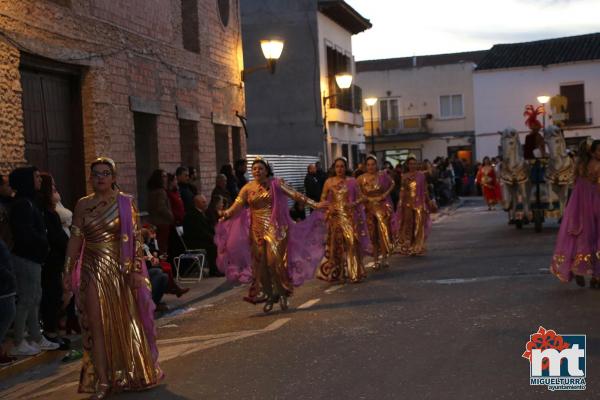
(102, 392)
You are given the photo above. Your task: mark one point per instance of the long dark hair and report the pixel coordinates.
(332, 168)
(267, 166)
(156, 180)
(46, 191)
(585, 156)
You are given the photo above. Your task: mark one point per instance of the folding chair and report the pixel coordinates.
(196, 256)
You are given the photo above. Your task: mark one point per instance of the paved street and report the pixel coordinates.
(451, 325)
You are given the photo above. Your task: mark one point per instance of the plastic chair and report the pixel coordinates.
(197, 256)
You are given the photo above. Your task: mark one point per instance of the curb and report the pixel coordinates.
(48, 357)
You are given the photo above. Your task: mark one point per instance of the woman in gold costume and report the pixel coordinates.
(375, 187)
(282, 254)
(347, 238)
(412, 213)
(104, 269)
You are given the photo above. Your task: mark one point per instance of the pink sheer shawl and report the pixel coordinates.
(422, 201)
(305, 246)
(360, 220)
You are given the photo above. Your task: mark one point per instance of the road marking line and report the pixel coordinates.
(26, 389)
(308, 304)
(333, 289)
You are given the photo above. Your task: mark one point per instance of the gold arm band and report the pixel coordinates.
(76, 231)
(68, 265)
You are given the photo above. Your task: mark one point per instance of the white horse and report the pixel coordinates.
(514, 175)
(560, 171)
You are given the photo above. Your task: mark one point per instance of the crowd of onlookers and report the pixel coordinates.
(35, 229)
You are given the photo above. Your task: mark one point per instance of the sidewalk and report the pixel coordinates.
(199, 291)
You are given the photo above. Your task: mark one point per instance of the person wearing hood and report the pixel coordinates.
(30, 249)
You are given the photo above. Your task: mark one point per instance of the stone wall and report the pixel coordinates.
(127, 49)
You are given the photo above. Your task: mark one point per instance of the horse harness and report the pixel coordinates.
(514, 177)
(560, 177)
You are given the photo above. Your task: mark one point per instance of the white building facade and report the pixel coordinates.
(424, 107)
(341, 108)
(503, 86)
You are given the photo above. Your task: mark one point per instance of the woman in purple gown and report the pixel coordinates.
(577, 252)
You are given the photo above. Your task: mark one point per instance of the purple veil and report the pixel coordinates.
(360, 219)
(305, 245)
(578, 243)
(421, 201)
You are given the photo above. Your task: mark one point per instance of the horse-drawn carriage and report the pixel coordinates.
(534, 190)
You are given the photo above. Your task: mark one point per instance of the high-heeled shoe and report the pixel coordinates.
(102, 392)
(283, 303)
(594, 283)
(268, 306)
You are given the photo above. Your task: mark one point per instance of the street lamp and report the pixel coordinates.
(271, 49)
(343, 81)
(543, 100)
(370, 101)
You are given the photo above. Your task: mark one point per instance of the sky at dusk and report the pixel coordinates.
(404, 28)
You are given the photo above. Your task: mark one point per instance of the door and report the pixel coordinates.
(53, 135)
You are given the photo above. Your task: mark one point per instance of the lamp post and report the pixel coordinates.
(370, 101)
(543, 100)
(271, 49)
(343, 81)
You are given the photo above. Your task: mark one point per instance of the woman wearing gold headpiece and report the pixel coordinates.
(375, 187)
(412, 222)
(104, 269)
(282, 254)
(577, 251)
(347, 236)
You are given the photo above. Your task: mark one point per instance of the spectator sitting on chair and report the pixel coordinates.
(198, 233)
(185, 190)
(216, 204)
(150, 248)
(221, 190)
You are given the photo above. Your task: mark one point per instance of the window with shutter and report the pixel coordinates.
(575, 103)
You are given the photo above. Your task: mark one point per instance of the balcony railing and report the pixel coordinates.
(405, 124)
(581, 115)
(348, 100)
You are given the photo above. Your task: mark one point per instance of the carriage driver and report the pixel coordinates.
(534, 146)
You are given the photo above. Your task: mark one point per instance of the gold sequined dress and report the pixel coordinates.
(268, 242)
(343, 258)
(378, 214)
(413, 215)
(105, 296)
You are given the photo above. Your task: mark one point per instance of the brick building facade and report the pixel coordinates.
(149, 83)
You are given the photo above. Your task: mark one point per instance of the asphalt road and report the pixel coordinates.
(450, 325)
